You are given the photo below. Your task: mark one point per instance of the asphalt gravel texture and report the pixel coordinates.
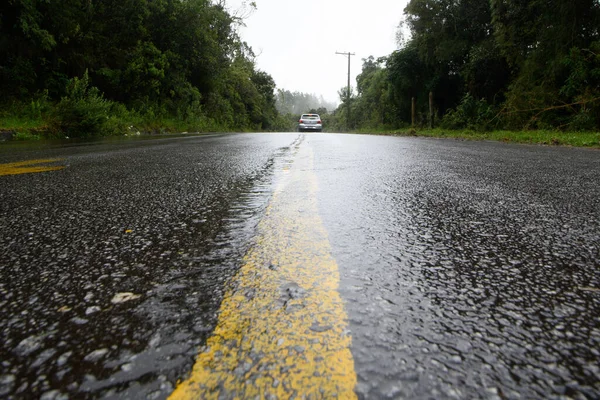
(468, 269)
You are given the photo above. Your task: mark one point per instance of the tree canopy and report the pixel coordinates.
(177, 58)
(503, 63)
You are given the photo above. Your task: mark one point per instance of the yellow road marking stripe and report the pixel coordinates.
(282, 328)
(30, 166)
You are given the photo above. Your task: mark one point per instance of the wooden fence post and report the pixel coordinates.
(430, 110)
(413, 112)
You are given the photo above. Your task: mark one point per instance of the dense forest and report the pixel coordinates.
(498, 64)
(86, 67)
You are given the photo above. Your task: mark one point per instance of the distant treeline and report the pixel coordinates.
(297, 103)
(516, 64)
(89, 67)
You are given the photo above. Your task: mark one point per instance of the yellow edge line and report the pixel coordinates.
(29, 166)
(282, 328)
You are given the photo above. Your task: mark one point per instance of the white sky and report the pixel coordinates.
(296, 40)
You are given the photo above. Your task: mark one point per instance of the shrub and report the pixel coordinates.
(25, 136)
(583, 121)
(84, 112)
(470, 114)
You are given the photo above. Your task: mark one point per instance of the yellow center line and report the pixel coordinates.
(282, 328)
(30, 166)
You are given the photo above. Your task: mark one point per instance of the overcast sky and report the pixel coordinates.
(296, 40)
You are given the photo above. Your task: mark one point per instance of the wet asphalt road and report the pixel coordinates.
(467, 269)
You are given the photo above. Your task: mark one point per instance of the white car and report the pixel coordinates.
(310, 122)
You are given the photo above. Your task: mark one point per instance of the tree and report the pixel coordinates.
(161, 58)
(521, 63)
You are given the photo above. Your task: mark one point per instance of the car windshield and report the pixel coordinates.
(310, 117)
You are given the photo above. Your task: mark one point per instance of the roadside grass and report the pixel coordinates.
(19, 126)
(22, 128)
(17, 123)
(25, 128)
(90, 117)
(543, 137)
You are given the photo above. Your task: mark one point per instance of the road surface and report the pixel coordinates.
(299, 265)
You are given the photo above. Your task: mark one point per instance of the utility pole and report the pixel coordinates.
(348, 98)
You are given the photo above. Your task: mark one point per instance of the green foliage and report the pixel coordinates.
(470, 114)
(285, 123)
(373, 107)
(585, 120)
(504, 63)
(549, 47)
(84, 112)
(25, 136)
(515, 64)
(165, 60)
(334, 122)
(38, 106)
(543, 137)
